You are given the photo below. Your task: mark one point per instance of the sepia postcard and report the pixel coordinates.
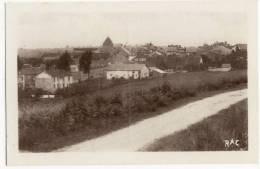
(134, 82)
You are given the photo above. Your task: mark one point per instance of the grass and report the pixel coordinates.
(110, 124)
(209, 134)
(51, 124)
(192, 80)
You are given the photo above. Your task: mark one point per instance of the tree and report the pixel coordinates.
(64, 61)
(238, 59)
(85, 61)
(51, 63)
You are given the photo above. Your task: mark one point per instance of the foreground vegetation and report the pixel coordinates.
(48, 125)
(211, 133)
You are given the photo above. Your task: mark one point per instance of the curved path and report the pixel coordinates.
(143, 133)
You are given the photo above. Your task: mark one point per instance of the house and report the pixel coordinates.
(224, 68)
(74, 68)
(191, 50)
(26, 77)
(221, 50)
(175, 50)
(193, 62)
(143, 52)
(144, 55)
(127, 71)
(156, 53)
(96, 73)
(140, 59)
(74, 65)
(55, 79)
(49, 57)
(121, 56)
(239, 47)
(156, 72)
(131, 58)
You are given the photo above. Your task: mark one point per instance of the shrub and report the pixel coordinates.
(100, 100)
(115, 110)
(165, 88)
(118, 81)
(116, 99)
(30, 93)
(155, 89)
(94, 112)
(84, 87)
(137, 104)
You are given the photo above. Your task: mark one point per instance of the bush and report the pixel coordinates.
(118, 81)
(34, 93)
(165, 88)
(83, 87)
(115, 110)
(94, 112)
(137, 104)
(100, 100)
(116, 99)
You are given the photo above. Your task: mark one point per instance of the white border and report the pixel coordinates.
(253, 68)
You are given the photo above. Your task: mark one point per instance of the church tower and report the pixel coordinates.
(108, 43)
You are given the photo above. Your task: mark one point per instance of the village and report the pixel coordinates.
(129, 77)
(46, 70)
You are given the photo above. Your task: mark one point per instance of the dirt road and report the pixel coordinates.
(143, 133)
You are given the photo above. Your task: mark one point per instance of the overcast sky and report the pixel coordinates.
(83, 24)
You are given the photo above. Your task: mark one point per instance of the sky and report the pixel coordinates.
(51, 25)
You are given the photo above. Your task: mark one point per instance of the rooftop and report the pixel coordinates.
(32, 70)
(108, 42)
(242, 46)
(125, 67)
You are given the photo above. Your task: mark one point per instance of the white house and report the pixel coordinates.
(127, 71)
(53, 80)
(157, 72)
(224, 68)
(74, 68)
(239, 47)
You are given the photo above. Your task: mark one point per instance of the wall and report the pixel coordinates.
(144, 72)
(122, 74)
(46, 84)
(219, 69)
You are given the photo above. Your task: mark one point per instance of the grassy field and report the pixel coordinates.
(191, 80)
(51, 124)
(209, 135)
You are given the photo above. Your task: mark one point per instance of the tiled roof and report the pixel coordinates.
(63, 73)
(242, 46)
(32, 71)
(51, 55)
(226, 65)
(157, 70)
(58, 73)
(191, 49)
(125, 50)
(108, 42)
(125, 67)
(221, 50)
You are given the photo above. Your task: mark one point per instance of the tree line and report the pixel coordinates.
(63, 62)
(197, 62)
